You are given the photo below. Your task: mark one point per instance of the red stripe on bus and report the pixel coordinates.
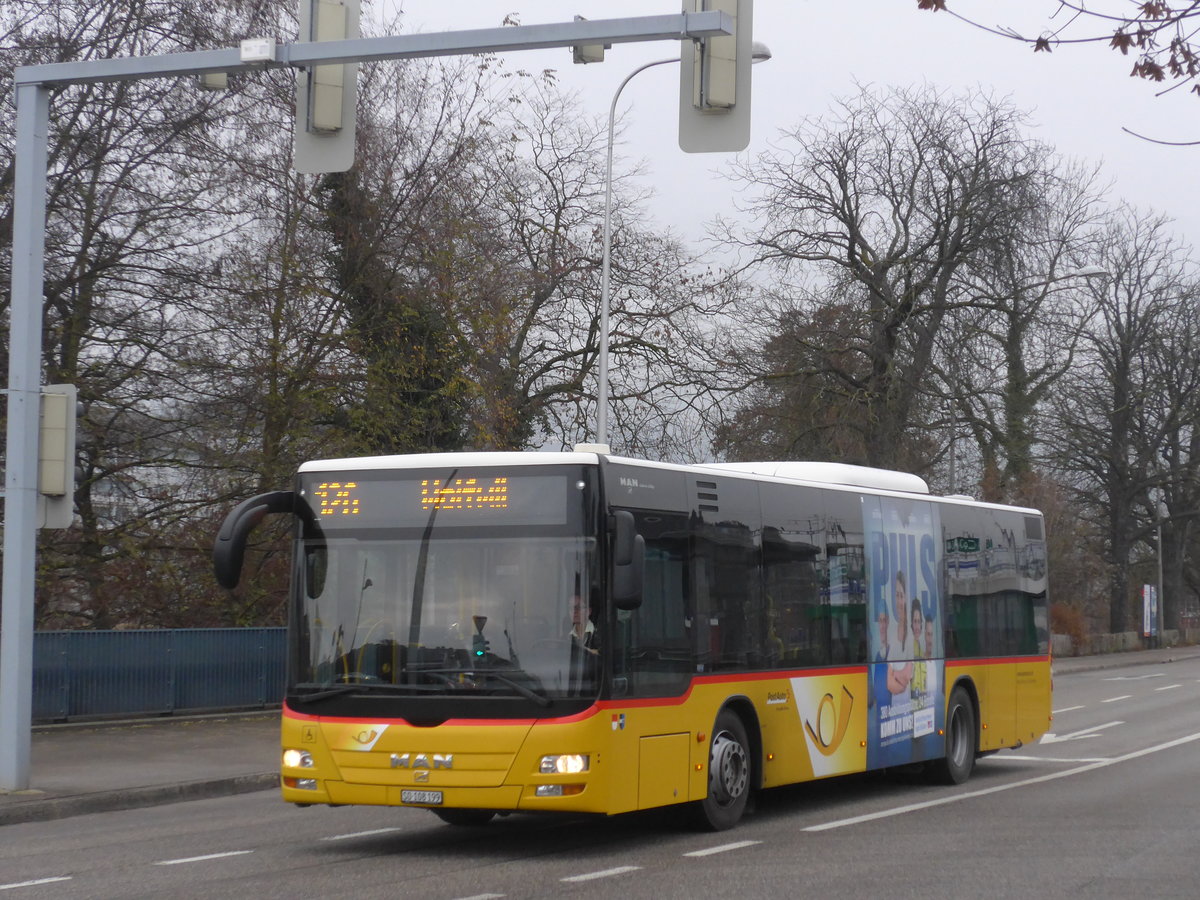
(601, 706)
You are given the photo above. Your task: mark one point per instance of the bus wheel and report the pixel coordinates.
(728, 774)
(464, 818)
(962, 741)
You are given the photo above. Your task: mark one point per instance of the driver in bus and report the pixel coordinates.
(582, 630)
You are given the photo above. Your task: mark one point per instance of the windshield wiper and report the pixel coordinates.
(525, 691)
(537, 696)
(342, 690)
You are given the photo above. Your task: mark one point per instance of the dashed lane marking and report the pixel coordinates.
(603, 873)
(357, 834)
(722, 848)
(34, 883)
(205, 858)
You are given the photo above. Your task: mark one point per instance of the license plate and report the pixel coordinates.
(425, 798)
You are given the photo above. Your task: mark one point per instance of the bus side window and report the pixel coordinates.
(653, 645)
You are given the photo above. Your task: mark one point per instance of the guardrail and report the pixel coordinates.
(85, 674)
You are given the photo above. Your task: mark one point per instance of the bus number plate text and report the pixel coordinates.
(425, 798)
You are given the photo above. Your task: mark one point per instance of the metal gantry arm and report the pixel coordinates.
(679, 26)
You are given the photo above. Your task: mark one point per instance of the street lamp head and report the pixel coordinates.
(759, 52)
(1089, 272)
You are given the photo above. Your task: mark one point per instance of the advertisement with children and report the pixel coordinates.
(904, 563)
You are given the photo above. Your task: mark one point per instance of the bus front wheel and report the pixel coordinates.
(729, 774)
(962, 740)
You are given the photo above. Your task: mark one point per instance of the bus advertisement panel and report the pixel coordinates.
(903, 574)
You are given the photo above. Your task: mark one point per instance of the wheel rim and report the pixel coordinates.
(957, 735)
(729, 770)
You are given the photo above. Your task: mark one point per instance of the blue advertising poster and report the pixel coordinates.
(904, 563)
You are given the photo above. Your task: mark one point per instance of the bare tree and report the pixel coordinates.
(878, 214)
(1001, 356)
(131, 203)
(1160, 35)
(1129, 398)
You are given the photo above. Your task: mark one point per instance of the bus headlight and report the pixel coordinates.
(565, 764)
(297, 759)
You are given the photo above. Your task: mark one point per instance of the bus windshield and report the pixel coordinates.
(419, 583)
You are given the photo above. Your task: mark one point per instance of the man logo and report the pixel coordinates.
(422, 760)
(831, 723)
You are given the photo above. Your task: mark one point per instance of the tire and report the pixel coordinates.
(962, 741)
(730, 774)
(464, 818)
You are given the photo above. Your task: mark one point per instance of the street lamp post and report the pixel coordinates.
(606, 263)
(759, 53)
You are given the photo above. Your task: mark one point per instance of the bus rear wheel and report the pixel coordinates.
(962, 741)
(464, 818)
(729, 774)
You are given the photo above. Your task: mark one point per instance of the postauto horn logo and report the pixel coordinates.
(832, 722)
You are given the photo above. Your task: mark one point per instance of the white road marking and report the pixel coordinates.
(1051, 759)
(475, 896)
(1051, 738)
(1135, 677)
(207, 856)
(971, 795)
(1168, 687)
(1115, 699)
(605, 873)
(34, 883)
(1066, 709)
(709, 851)
(355, 834)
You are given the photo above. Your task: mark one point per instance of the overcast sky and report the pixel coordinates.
(1079, 97)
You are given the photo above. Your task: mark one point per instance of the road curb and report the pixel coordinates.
(1074, 664)
(41, 809)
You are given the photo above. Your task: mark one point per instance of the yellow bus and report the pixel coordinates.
(485, 633)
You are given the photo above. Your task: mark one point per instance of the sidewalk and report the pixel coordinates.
(102, 766)
(1067, 665)
(98, 767)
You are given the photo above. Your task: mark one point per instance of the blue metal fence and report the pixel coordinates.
(79, 674)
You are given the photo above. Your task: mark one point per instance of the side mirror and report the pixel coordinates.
(230, 547)
(628, 562)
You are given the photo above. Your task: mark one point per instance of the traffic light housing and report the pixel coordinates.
(714, 82)
(56, 456)
(326, 95)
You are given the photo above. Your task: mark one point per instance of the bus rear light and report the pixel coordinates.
(300, 784)
(297, 759)
(558, 790)
(565, 764)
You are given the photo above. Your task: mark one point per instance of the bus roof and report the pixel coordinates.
(833, 473)
(828, 473)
